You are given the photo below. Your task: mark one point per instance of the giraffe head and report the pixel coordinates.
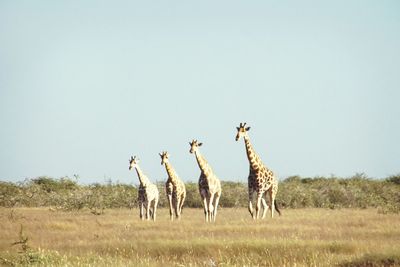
(164, 157)
(194, 146)
(133, 162)
(241, 131)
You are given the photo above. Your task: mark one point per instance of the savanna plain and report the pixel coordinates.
(117, 237)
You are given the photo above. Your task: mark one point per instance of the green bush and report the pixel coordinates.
(233, 194)
(52, 185)
(394, 179)
(358, 191)
(9, 194)
(193, 199)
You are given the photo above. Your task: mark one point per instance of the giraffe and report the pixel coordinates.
(174, 187)
(261, 180)
(147, 193)
(209, 184)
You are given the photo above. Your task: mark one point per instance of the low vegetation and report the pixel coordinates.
(66, 194)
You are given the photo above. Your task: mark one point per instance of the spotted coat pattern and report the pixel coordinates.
(261, 180)
(176, 191)
(209, 186)
(148, 196)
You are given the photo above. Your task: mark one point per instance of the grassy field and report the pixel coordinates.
(300, 237)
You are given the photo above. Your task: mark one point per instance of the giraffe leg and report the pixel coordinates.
(216, 205)
(205, 207)
(155, 208)
(265, 204)
(170, 208)
(151, 210)
(182, 201)
(141, 210)
(258, 205)
(272, 195)
(177, 212)
(211, 208)
(178, 204)
(251, 193)
(174, 200)
(265, 207)
(148, 209)
(276, 207)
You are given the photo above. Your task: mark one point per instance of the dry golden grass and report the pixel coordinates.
(304, 237)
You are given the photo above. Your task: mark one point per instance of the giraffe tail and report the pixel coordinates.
(276, 207)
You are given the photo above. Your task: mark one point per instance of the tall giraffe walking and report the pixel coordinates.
(174, 187)
(261, 180)
(147, 194)
(209, 184)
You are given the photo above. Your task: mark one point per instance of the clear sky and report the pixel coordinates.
(86, 84)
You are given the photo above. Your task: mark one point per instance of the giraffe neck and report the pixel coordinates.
(142, 178)
(252, 156)
(204, 167)
(171, 172)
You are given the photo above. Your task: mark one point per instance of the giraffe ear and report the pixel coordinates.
(248, 128)
(200, 144)
(238, 128)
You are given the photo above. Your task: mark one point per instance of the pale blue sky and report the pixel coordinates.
(86, 84)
